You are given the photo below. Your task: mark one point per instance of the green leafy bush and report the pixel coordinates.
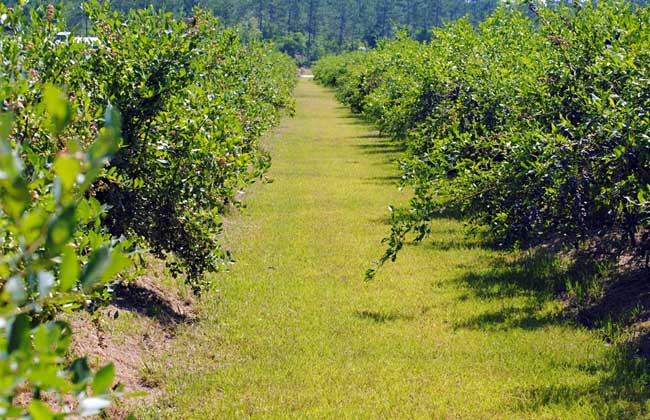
(84, 188)
(194, 103)
(55, 256)
(534, 124)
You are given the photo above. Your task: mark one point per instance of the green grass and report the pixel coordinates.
(450, 331)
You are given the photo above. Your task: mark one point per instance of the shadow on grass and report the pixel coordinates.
(355, 120)
(381, 147)
(624, 299)
(536, 274)
(621, 387)
(349, 115)
(381, 220)
(526, 318)
(375, 143)
(454, 244)
(153, 303)
(622, 392)
(384, 180)
(598, 287)
(373, 136)
(340, 107)
(381, 317)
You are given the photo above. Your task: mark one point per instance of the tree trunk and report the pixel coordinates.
(311, 24)
(342, 23)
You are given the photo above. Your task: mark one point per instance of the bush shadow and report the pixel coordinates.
(152, 302)
(373, 136)
(525, 318)
(381, 147)
(535, 274)
(535, 277)
(454, 243)
(381, 317)
(384, 180)
(621, 387)
(621, 392)
(624, 298)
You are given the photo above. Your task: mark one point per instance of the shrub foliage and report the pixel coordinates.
(139, 140)
(533, 124)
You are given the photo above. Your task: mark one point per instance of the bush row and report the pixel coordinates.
(137, 140)
(534, 124)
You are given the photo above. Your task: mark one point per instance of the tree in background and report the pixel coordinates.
(329, 26)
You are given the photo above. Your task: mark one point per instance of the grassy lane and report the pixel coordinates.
(448, 331)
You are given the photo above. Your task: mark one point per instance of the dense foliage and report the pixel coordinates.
(139, 141)
(533, 124)
(193, 102)
(307, 29)
(55, 256)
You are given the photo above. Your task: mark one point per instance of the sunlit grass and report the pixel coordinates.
(294, 331)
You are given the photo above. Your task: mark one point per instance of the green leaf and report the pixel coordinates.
(48, 377)
(15, 193)
(103, 379)
(80, 371)
(104, 147)
(113, 119)
(99, 262)
(619, 151)
(57, 107)
(60, 334)
(39, 411)
(18, 333)
(60, 230)
(69, 269)
(83, 211)
(15, 197)
(41, 339)
(67, 168)
(32, 225)
(107, 144)
(6, 122)
(119, 262)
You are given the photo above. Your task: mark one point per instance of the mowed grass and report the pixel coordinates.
(450, 331)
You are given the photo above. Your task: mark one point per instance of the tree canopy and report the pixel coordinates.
(308, 29)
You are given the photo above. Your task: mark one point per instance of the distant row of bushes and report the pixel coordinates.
(139, 142)
(534, 125)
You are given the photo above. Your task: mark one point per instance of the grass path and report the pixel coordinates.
(294, 332)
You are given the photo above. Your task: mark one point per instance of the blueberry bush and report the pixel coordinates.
(136, 140)
(532, 125)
